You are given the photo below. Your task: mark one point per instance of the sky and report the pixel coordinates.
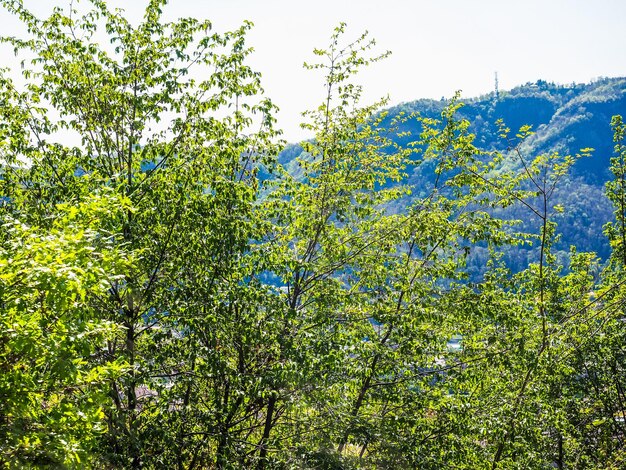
(438, 46)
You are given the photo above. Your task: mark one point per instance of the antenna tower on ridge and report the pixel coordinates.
(497, 91)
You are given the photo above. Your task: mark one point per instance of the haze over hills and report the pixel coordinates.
(565, 119)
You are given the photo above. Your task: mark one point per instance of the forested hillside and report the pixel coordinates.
(175, 292)
(565, 119)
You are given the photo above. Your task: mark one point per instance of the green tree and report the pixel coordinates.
(55, 375)
(150, 133)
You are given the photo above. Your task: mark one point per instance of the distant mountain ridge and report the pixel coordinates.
(565, 118)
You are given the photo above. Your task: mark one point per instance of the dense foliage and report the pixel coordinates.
(173, 294)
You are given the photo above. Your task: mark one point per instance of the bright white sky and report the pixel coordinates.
(438, 46)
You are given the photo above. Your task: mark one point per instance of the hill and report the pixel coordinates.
(565, 119)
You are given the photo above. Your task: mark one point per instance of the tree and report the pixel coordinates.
(54, 373)
(149, 133)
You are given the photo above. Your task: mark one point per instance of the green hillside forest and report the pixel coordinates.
(436, 285)
(564, 119)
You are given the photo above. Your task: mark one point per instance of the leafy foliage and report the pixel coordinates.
(176, 294)
(54, 379)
